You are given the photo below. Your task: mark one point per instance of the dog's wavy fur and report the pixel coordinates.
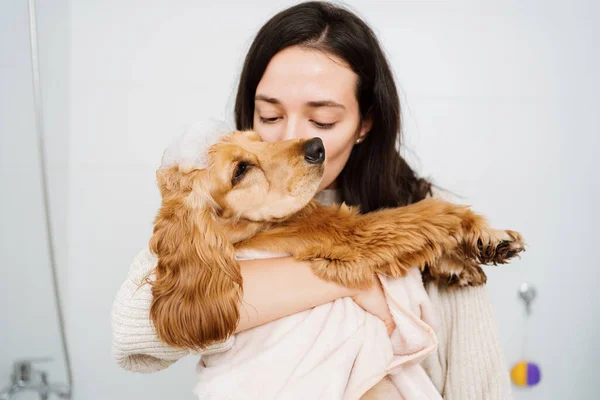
(208, 214)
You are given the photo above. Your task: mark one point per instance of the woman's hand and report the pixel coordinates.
(373, 300)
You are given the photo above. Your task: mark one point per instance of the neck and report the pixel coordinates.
(328, 196)
(242, 229)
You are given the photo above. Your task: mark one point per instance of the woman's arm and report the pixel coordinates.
(468, 364)
(279, 287)
(273, 288)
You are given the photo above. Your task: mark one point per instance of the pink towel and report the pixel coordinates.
(334, 351)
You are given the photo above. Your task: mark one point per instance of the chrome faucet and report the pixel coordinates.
(27, 379)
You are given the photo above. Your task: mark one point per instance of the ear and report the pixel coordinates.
(198, 285)
(365, 127)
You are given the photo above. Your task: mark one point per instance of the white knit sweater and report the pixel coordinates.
(468, 364)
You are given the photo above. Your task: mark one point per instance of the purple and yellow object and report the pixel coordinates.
(525, 374)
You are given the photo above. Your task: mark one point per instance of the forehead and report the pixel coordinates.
(296, 75)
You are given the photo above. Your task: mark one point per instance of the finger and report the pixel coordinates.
(390, 325)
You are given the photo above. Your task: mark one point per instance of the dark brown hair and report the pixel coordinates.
(375, 176)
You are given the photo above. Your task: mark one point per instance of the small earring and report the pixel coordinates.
(359, 140)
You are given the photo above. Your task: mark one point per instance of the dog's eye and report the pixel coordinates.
(240, 171)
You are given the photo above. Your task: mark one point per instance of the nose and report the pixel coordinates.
(314, 151)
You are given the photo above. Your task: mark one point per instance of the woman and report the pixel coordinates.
(316, 69)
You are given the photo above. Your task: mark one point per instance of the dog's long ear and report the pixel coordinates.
(198, 285)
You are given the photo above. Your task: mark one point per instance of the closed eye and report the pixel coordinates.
(269, 120)
(322, 125)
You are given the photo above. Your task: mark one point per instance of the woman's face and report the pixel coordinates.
(306, 93)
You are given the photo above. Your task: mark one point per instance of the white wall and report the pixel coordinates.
(28, 321)
(503, 109)
(500, 105)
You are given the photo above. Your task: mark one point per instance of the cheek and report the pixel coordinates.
(248, 195)
(267, 133)
(337, 150)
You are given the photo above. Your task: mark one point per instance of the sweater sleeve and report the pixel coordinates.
(135, 344)
(468, 364)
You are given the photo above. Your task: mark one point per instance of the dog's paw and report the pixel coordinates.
(454, 271)
(500, 248)
(472, 276)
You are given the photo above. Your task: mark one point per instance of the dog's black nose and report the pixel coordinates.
(314, 151)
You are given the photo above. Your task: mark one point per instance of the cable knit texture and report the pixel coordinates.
(468, 364)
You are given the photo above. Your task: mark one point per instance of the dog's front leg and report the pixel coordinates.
(327, 237)
(448, 241)
(348, 247)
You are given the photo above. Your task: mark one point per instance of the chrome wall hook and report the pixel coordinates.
(527, 293)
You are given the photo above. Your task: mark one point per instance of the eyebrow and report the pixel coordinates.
(312, 104)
